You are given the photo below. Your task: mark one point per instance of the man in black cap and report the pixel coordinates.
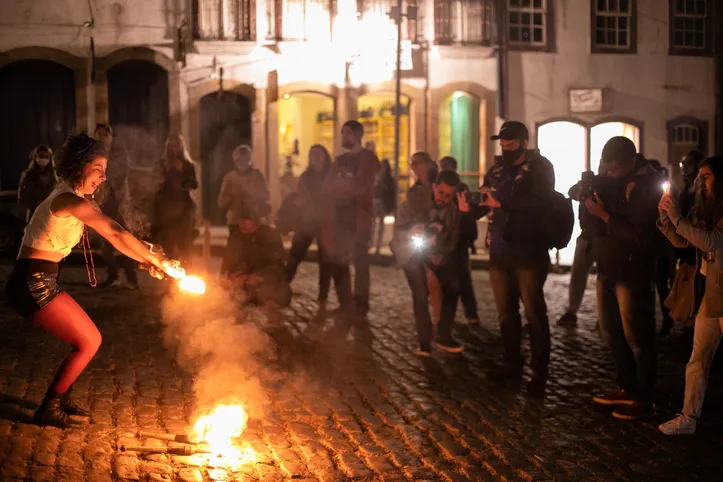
(626, 253)
(516, 190)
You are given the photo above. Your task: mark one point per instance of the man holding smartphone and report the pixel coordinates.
(426, 231)
(517, 191)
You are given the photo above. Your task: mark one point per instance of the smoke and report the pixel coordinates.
(222, 346)
(132, 171)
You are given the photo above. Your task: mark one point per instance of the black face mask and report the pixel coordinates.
(511, 156)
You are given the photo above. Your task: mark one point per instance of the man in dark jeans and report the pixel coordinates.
(467, 236)
(426, 231)
(626, 253)
(515, 190)
(346, 237)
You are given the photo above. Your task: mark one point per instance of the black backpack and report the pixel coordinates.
(558, 221)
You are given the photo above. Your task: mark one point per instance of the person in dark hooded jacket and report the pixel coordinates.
(626, 253)
(308, 228)
(38, 180)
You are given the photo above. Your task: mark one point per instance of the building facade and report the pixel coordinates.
(282, 75)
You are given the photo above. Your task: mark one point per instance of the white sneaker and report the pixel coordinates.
(680, 425)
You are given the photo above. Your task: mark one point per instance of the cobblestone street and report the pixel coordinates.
(348, 401)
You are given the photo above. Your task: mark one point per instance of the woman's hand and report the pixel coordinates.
(670, 207)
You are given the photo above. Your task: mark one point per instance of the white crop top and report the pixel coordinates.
(48, 232)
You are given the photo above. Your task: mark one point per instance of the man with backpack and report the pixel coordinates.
(526, 218)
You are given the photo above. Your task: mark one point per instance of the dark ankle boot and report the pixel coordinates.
(70, 407)
(51, 413)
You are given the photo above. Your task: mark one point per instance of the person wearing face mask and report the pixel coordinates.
(515, 192)
(243, 186)
(38, 180)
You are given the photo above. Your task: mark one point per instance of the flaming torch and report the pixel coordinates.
(172, 269)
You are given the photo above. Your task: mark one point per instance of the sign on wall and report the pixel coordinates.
(586, 100)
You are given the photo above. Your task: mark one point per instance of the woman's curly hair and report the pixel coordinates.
(74, 154)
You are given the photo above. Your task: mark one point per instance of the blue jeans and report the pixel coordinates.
(626, 310)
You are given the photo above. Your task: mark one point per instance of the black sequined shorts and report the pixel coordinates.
(32, 284)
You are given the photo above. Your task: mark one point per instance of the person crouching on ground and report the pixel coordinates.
(254, 260)
(425, 235)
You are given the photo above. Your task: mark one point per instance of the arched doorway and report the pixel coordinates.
(305, 119)
(225, 124)
(376, 113)
(138, 108)
(564, 144)
(601, 133)
(459, 134)
(37, 106)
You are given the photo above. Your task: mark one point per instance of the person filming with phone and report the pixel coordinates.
(626, 251)
(517, 192)
(426, 233)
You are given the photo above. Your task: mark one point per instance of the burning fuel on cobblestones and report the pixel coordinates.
(220, 428)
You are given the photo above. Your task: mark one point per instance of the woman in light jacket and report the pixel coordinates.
(705, 233)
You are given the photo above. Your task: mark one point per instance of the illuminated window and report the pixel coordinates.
(528, 23)
(613, 28)
(225, 19)
(306, 19)
(690, 26)
(412, 29)
(463, 21)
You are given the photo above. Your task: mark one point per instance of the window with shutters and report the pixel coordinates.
(225, 20)
(412, 29)
(463, 21)
(305, 19)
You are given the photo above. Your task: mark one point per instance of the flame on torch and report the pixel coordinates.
(192, 284)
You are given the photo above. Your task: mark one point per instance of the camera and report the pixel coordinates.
(475, 198)
(587, 188)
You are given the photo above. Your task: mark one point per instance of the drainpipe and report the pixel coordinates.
(502, 61)
(718, 46)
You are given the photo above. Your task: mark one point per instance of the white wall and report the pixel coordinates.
(58, 24)
(650, 86)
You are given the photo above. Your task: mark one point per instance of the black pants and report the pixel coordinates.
(358, 298)
(299, 247)
(514, 280)
(416, 276)
(464, 273)
(111, 261)
(627, 321)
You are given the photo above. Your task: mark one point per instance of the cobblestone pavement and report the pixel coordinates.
(348, 402)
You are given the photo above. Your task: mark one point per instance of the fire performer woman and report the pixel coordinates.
(57, 225)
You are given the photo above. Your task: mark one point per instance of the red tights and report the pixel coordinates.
(65, 320)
